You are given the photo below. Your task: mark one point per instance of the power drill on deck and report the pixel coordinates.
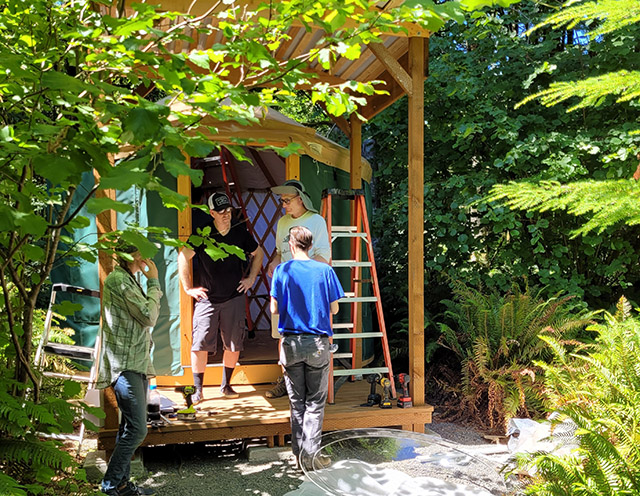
(404, 401)
(373, 398)
(386, 393)
(187, 391)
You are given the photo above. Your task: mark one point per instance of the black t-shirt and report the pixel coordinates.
(221, 277)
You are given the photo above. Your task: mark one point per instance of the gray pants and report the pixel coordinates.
(305, 358)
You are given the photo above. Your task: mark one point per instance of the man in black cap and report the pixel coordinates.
(218, 304)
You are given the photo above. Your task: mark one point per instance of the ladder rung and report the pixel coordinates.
(374, 370)
(343, 325)
(336, 235)
(69, 377)
(357, 335)
(69, 351)
(343, 229)
(342, 355)
(349, 263)
(358, 299)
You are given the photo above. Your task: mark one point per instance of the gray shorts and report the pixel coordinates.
(227, 317)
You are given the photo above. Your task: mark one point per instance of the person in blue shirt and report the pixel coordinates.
(305, 293)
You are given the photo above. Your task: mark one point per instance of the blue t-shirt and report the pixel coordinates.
(304, 290)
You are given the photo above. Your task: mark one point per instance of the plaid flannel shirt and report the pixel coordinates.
(127, 319)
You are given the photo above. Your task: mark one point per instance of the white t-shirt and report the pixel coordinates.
(312, 221)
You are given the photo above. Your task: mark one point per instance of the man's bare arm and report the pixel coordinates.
(184, 257)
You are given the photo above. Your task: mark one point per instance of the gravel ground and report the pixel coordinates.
(224, 469)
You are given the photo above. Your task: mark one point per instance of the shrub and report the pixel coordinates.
(598, 387)
(496, 339)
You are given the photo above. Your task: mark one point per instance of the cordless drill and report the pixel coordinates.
(187, 391)
(373, 398)
(404, 401)
(386, 393)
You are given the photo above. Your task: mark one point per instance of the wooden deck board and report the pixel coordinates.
(252, 415)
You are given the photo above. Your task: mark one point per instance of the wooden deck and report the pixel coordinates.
(252, 415)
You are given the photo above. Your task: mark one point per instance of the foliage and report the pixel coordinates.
(475, 138)
(616, 21)
(598, 387)
(495, 336)
(72, 79)
(26, 454)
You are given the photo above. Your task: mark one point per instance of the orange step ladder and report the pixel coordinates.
(347, 365)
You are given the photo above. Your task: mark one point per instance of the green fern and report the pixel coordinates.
(496, 338)
(605, 203)
(611, 15)
(598, 387)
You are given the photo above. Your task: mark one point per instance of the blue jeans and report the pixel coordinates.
(131, 394)
(305, 358)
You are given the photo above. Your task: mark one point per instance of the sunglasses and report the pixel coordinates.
(286, 201)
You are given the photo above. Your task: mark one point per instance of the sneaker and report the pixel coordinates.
(132, 490)
(279, 390)
(228, 392)
(321, 461)
(197, 397)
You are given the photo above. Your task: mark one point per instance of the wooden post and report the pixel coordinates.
(186, 302)
(355, 164)
(416, 219)
(106, 222)
(293, 167)
(355, 152)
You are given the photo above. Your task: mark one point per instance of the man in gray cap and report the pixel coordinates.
(299, 211)
(218, 304)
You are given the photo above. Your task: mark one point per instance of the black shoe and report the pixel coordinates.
(130, 489)
(228, 392)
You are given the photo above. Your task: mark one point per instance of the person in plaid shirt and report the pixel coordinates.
(128, 315)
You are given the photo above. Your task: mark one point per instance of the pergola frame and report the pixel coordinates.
(401, 61)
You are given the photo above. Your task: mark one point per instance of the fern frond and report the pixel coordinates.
(608, 203)
(9, 485)
(610, 14)
(34, 452)
(625, 85)
(623, 309)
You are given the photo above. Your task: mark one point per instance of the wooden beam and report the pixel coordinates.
(106, 222)
(355, 152)
(377, 103)
(293, 167)
(198, 9)
(416, 220)
(392, 65)
(186, 302)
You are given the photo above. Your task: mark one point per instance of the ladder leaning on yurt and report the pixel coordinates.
(357, 232)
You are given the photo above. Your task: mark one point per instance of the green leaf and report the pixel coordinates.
(67, 308)
(146, 248)
(215, 252)
(233, 250)
(199, 58)
(97, 205)
(141, 125)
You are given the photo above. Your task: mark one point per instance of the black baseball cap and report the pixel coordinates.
(219, 202)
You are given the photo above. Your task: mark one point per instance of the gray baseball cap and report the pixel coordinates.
(295, 187)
